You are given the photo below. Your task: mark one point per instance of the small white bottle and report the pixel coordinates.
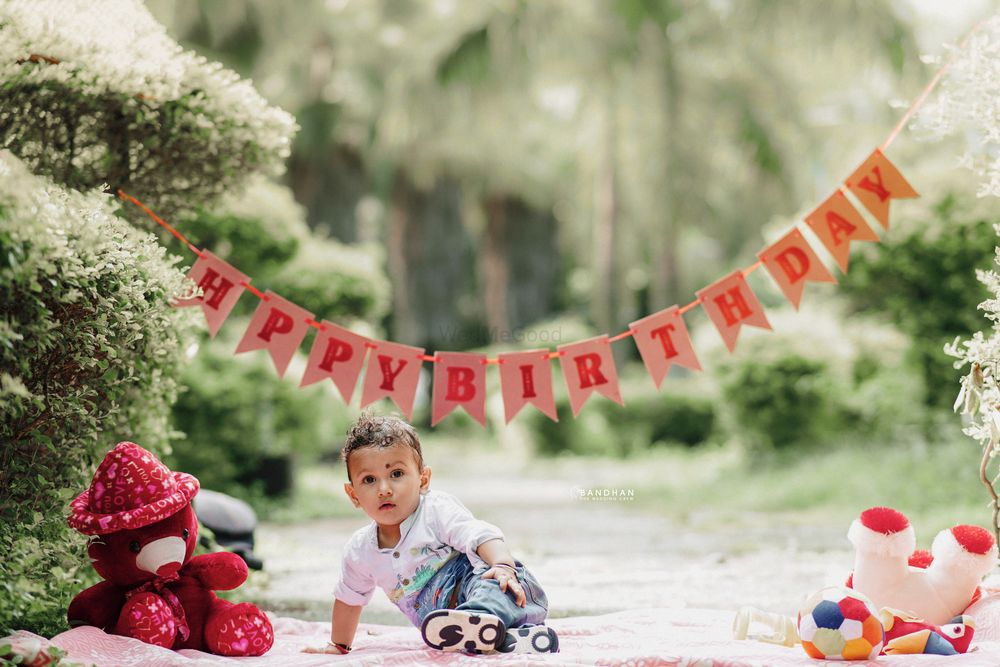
(764, 626)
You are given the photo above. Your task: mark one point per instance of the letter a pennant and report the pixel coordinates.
(588, 366)
(876, 182)
(221, 286)
(278, 325)
(526, 377)
(791, 262)
(459, 380)
(393, 371)
(836, 222)
(730, 304)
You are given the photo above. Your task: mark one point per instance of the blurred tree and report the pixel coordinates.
(647, 141)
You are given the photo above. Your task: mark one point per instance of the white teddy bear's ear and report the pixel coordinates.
(884, 532)
(967, 550)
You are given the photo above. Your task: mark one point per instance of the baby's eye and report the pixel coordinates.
(397, 473)
(368, 479)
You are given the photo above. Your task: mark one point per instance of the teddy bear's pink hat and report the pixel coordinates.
(131, 489)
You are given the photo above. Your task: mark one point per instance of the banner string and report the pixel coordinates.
(553, 354)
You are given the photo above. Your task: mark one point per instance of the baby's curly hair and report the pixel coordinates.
(371, 430)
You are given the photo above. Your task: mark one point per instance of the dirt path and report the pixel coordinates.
(592, 555)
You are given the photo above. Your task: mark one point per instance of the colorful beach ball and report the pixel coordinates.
(838, 623)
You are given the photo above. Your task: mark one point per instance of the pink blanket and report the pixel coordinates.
(639, 638)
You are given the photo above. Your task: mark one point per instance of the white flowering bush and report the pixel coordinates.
(90, 352)
(97, 92)
(968, 103)
(978, 398)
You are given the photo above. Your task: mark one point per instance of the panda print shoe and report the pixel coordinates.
(453, 630)
(530, 639)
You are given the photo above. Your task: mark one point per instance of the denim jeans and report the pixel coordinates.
(457, 586)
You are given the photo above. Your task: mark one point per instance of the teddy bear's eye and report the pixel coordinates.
(184, 533)
(133, 546)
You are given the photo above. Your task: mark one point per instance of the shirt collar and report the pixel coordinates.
(404, 528)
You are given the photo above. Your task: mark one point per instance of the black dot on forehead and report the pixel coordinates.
(386, 465)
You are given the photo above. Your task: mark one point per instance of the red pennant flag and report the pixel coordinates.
(730, 304)
(459, 380)
(221, 286)
(526, 377)
(336, 354)
(836, 222)
(589, 366)
(393, 371)
(876, 182)
(663, 340)
(277, 325)
(791, 262)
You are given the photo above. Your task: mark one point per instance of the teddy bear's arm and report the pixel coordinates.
(97, 606)
(220, 571)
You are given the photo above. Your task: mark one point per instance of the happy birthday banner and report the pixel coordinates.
(393, 370)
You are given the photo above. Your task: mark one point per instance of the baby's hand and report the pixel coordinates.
(506, 576)
(329, 648)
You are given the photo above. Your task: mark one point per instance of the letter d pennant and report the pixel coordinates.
(791, 261)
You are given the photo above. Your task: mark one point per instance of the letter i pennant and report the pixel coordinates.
(588, 366)
(221, 286)
(526, 377)
(393, 371)
(459, 380)
(876, 183)
(730, 304)
(278, 326)
(791, 262)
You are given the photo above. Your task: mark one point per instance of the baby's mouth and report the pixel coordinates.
(386, 506)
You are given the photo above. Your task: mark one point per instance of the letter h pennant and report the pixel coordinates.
(221, 286)
(730, 304)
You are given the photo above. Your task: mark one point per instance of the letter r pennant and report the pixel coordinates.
(589, 366)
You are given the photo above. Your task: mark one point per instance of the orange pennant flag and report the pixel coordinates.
(791, 262)
(876, 182)
(221, 286)
(278, 326)
(526, 377)
(393, 371)
(589, 366)
(836, 222)
(663, 340)
(730, 304)
(338, 354)
(459, 380)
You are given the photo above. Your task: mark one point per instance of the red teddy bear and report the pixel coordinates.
(154, 590)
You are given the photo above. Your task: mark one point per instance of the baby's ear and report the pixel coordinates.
(425, 479)
(349, 490)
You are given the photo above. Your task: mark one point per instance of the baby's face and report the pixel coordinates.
(386, 483)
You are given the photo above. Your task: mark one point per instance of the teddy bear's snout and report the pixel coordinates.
(162, 557)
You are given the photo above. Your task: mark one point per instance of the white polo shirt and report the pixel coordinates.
(440, 528)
